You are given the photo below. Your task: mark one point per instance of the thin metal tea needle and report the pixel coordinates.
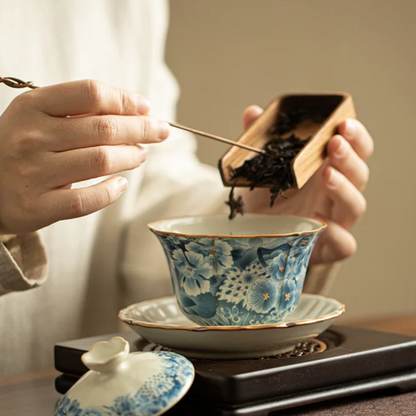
(218, 138)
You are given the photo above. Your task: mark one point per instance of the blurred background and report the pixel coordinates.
(229, 54)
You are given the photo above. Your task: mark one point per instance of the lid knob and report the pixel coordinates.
(106, 356)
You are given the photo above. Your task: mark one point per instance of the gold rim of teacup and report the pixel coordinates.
(200, 328)
(151, 226)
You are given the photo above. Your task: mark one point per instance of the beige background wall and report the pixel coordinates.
(227, 54)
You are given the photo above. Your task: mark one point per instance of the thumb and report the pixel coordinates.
(250, 115)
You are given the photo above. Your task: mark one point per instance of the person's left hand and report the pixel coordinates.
(333, 194)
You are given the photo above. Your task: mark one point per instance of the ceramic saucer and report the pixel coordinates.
(161, 322)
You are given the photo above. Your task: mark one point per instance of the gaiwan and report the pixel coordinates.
(249, 271)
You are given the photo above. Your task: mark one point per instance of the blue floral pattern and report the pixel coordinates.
(238, 281)
(279, 267)
(153, 398)
(194, 270)
(216, 252)
(262, 296)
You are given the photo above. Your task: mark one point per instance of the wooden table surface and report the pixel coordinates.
(34, 394)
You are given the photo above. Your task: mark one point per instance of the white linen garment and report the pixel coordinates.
(105, 261)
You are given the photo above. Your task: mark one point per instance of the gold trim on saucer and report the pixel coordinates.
(198, 328)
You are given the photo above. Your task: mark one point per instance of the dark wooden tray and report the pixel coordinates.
(355, 361)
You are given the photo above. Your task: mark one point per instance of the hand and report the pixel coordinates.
(333, 194)
(55, 136)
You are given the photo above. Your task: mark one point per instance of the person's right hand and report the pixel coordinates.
(55, 136)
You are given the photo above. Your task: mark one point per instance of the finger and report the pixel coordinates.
(250, 115)
(349, 203)
(88, 97)
(343, 158)
(81, 132)
(358, 136)
(334, 244)
(93, 162)
(64, 204)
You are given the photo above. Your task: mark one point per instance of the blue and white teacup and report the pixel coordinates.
(248, 271)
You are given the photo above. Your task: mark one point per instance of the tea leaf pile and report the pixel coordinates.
(273, 168)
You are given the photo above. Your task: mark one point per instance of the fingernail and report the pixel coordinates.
(163, 129)
(332, 178)
(143, 104)
(341, 148)
(143, 156)
(350, 129)
(121, 184)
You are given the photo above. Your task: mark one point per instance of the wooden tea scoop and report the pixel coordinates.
(337, 106)
(218, 138)
(18, 83)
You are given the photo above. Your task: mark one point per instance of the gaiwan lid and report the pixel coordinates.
(119, 383)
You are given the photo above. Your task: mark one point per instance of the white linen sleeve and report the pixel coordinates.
(23, 262)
